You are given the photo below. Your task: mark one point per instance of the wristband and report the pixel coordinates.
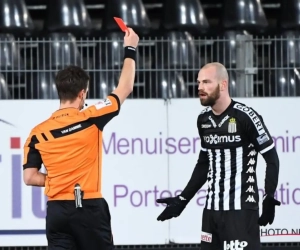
(130, 52)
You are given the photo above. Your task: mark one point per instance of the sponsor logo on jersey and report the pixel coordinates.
(250, 199)
(223, 120)
(206, 126)
(250, 170)
(250, 189)
(250, 179)
(216, 139)
(206, 237)
(235, 245)
(252, 153)
(103, 104)
(71, 129)
(205, 110)
(212, 121)
(263, 138)
(107, 102)
(253, 116)
(251, 162)
(232, 125)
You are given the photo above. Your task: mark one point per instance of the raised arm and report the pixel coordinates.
(102, 112)
(127, 76)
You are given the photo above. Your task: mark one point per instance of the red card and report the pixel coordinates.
(121, 23)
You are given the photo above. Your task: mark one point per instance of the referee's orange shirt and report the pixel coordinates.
(69, 144)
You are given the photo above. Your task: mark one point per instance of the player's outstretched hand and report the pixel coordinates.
(175, 206)
(268, 211)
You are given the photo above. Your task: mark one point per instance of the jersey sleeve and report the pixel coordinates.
(199, 175)
(102, 112)
(257, 131)
(199, 123)
(32, 157)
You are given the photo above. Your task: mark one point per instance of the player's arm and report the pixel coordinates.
(175, 205)
(262, 140)
(263, 143)
(32, 163)
(198, 178)
(272, 171)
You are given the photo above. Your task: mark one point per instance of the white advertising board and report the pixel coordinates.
(150, 151)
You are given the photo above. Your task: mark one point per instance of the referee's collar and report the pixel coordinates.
(65, 111)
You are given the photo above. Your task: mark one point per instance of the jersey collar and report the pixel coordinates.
(226, 110)
(65, 112)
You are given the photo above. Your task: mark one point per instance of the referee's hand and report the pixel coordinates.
(268, 211)
(175, 206)
(131, 38)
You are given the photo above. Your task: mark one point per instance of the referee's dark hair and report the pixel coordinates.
(70, 81)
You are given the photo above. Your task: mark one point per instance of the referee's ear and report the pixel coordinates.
(81, 94)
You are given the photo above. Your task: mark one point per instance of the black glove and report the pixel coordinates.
(268, 211)
(175, 206)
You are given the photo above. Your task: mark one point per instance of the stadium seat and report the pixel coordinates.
(111, 52)
(35, 2)
(184, 15)
(178, 51)
(224, 50)
(244, 14)
(171, 85)
(10, 58)
(102, 84)
(282, 83)
(42, 86)
(131, 11)
(232, 83)
(289, 14)
(167, 85)
(4, 91)
(67, 16)
(15, 18)
(286, 51)
(59, 50)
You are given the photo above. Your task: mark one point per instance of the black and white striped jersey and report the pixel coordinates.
(232, 141)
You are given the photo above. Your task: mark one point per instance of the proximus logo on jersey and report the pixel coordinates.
(216, 139)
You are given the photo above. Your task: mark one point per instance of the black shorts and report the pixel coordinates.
(89, 227)
(230, 230)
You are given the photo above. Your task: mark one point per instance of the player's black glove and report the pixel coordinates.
(175, 206)
(268, 211)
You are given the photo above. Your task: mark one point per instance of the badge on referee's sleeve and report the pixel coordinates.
(103, 104)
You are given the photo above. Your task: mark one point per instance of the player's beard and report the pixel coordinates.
(212, 98)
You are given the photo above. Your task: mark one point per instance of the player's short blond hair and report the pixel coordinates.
(222, 73)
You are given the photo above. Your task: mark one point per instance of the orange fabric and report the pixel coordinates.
(69, 145)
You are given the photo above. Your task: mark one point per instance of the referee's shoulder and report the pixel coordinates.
(40, 127)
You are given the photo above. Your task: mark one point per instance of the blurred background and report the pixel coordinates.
(258, 42)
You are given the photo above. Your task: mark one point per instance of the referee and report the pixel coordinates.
(69, 144)
(232, 134)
